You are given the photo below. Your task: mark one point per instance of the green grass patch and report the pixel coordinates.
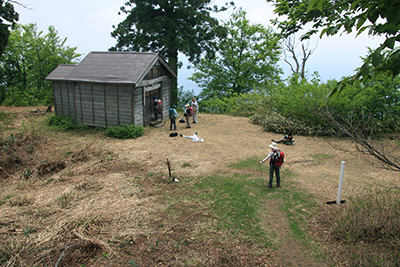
(251, 163)
(238, 202)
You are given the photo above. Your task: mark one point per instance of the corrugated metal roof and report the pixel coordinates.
(109, 67)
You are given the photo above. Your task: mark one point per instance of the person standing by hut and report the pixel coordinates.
(172, 116)
(155, 107)
(188, 114)
(195, 106)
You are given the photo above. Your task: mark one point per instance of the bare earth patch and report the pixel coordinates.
(106, 205)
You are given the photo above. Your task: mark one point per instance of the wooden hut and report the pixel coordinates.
(112, 88)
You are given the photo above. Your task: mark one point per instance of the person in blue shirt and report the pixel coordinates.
(172, 116)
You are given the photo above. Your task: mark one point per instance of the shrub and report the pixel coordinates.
(369, 229)
(65, 123)
(125, 131)
(277, 123)
(374, 216)
(244, 104)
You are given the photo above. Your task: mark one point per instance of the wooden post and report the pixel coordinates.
(169, 170)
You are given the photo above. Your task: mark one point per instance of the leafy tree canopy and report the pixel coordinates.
(328, 17)
(8, 17)
(29, 57)
(168, 27)
(246, 59)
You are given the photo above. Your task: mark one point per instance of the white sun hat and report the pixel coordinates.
(274, 146)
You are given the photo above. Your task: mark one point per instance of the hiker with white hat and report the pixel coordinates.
(275, 157)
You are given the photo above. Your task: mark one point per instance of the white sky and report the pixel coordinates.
(88, 23)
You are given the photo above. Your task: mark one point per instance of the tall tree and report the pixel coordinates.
(246, 59)
(168, 27)
(380, 17)
(29, 57)
(8, 18)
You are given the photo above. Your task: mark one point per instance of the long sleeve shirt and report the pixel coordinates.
(269, 156)
(175, 113)
(195, 105)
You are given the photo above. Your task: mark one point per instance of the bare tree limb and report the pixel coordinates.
(363, 135)
(20, 4)
(299, 66)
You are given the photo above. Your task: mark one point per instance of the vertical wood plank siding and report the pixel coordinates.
(57, 98)
(111, 99)
(87, 104)
(166, 87)
(107, 105)
(78, 104)
(124, 105)
(65, 98)
(98, 105)
(138, 106)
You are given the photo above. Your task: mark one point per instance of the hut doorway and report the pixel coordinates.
(149, 111)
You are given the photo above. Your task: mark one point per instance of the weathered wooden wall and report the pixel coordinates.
(102, 105)
(109, 105)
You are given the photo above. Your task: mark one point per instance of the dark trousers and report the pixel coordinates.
(187, 121)
(277, 171)
(173, 121)
(156, 114)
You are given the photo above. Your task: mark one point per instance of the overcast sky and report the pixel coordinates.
(87, 25)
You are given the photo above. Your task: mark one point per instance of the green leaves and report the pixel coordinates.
(390, 42)
(246, 60)
(169, 27)
(8, 14)
(28, 59)
(381, 17)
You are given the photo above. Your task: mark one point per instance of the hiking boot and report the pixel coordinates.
(268, 186)
(278, 186)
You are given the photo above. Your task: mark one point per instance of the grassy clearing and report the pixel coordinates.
(237, 201)
(116, 213)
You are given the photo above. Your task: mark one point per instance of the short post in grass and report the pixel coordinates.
(169, 171)
(339, 194)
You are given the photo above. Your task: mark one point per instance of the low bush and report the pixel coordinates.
(370, 225)
(125, 131)
(65, 123)
(371, 217)
(277, 123)
(244, 104)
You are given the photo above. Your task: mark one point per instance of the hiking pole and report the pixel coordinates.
(262, 178)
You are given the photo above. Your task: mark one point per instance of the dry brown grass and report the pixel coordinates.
(98, 200)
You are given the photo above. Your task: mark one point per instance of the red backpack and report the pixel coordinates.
(189, 111)
(159, 105)
(277, 158)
